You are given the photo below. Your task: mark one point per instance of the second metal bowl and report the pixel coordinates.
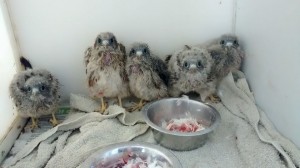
(109, 155)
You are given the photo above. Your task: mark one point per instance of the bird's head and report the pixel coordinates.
(106, 40)
(36, 86)
(37, 89)
(192, 65)
(195, 63)
(228, 41)
(139, 52)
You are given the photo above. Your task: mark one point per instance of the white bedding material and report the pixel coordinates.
(245, 137)
(90, 131)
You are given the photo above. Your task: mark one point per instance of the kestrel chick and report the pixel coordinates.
(105, 69)
(35, 93)
(148, 75)
(227, 55)
(190, 69)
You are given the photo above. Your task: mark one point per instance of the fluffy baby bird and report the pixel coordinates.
(35, 92)
(148, 75)
(105, 69)
(190, 69)
(227, 55)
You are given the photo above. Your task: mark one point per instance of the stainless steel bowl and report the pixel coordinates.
(112, 153)
(176, 108)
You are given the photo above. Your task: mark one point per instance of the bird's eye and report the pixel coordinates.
(185, 64)
(145, 50)
(99, 40)
(199, 64)
(43, 88)
(112, 40)
(132, 51)
(222, 42)
(235, 42)
(29, 89)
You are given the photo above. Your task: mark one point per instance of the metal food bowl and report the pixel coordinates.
(176, 108)
(109, 155)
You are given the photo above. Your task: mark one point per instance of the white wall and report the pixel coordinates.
(271, 34)
(53, 34)
(7, 70)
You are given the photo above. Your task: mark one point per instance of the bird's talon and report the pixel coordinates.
(103, 108)
(136, 106)
(33, 126)
(34, 123)
(214, 98)
(53, 122)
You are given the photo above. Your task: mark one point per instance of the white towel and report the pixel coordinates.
(71, 142)
(245, 137)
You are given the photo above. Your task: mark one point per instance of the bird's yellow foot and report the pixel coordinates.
(103, 107)
(137, 106)
(214, 98)
(120, 101)
(34, 123)
(53, 120)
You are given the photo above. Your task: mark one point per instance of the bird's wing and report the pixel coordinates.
(212, 75)
(123, 72)
(87, 55)
(16, 88)
(174, 77)
(55, 87)
(217, 53)
(122, 48)
(241, 53)
(161, 69)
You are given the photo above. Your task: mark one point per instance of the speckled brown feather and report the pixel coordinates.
(27, 107)
(183, 81)
(227, 59)
(149, 80)
(106, 78)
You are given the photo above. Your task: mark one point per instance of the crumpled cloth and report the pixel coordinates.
(71, 142)
(245, 137)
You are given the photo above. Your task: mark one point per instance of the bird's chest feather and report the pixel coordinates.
(105, 82)
(35, 108)
(135, 69)
(106, 58)
(191, 81)
(139, 76)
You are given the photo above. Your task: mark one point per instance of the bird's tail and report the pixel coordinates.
(168, 59)
(25, 62)
(187, 47)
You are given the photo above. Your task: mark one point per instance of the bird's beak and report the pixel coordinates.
(35, 91)
(193, 68)
(229, 44)
(105, 42)
(139, 53)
